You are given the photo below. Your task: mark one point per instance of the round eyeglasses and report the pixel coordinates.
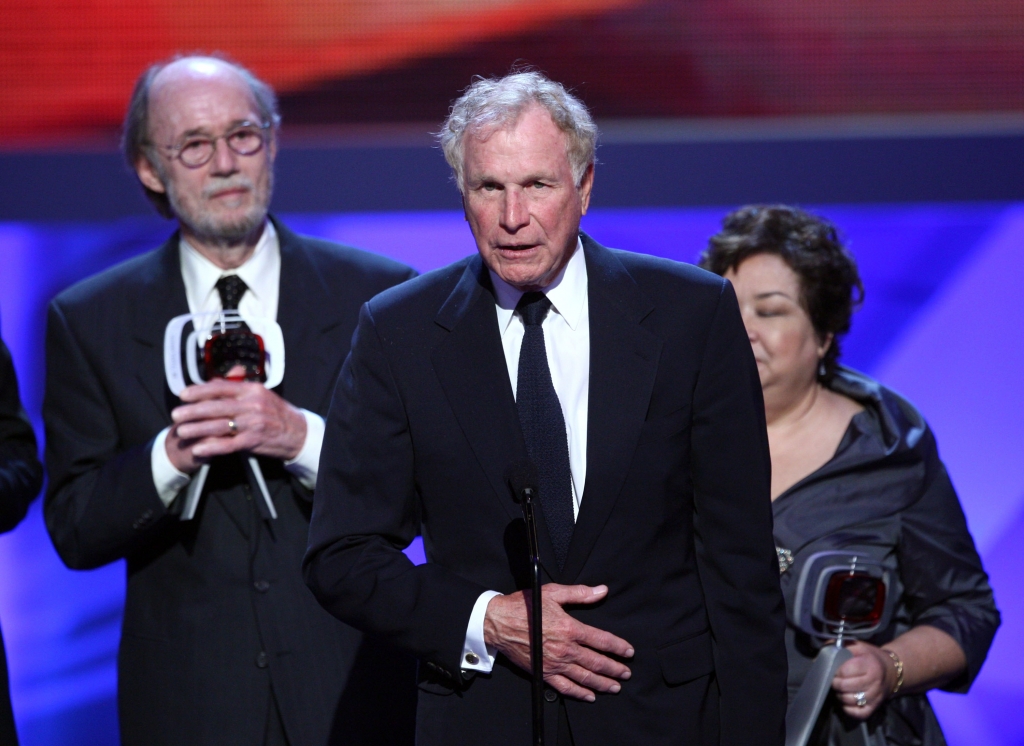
(197, 150)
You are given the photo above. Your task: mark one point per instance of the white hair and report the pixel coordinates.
(497, 103)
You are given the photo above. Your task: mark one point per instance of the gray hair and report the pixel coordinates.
(135, 142)
(497, 103)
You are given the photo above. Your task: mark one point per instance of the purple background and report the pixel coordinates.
(942, 324)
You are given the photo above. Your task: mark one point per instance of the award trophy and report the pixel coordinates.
(840, 596)
(223, 344)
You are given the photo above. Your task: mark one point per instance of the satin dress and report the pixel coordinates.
(886, 494)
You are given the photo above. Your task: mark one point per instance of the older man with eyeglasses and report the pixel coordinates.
(222, 643)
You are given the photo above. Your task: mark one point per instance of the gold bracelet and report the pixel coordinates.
(899, 670)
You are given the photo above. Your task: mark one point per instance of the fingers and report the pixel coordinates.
(218, 388)
(582, 673)
(575, 663)
(862, 703)
(221, 425)
(859, 695)
(565, 595)
(222, 409)
(569, 688)
(207, 448)
(591, 663)
(860, 682)
(567, 684)
(599, 639)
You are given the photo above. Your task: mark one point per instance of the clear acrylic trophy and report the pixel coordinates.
(199, 347)
(839, 596)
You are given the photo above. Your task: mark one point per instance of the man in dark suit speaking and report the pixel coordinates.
(222, 643)
(629, 382)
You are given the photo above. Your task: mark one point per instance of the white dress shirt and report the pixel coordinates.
(567, 343)
(262, 275)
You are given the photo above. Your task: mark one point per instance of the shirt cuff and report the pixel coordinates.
(476, 654)
(304, 467)
(166, 478)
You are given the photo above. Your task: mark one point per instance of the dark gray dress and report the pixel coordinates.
(886, 493)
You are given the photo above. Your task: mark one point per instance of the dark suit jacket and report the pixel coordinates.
(21, 476)
(675, 515)
(216, 612)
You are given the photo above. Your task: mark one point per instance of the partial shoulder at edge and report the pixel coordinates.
(670, 281)
(337, 257)
(903, 417)
(113, 282)
(427, 291)
(647, 264)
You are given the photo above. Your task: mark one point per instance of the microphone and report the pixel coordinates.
(521, 477)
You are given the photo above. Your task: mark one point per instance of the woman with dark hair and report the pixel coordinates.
(854, 466)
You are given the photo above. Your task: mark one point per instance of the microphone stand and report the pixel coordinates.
(536, 631)
(522, 478)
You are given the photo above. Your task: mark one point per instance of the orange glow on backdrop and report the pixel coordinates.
(69, 65)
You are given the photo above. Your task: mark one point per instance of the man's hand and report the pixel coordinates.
(572, 664)
(263, 424)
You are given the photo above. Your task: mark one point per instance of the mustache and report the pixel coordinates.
(223, 185)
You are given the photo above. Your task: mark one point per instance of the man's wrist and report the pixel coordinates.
(477, 654)
(307, 461)
(167, 478)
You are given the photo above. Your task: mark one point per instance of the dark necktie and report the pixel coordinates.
(236, 345)
(540, 415)
(231, 289)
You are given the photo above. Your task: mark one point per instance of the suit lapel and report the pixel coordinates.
(159, 297)
(623, 366)
(305, 315)
(470, 364)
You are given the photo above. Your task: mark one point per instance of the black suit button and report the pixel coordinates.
(262, 586)
(550, 695)
(261, 660)
(142, 520)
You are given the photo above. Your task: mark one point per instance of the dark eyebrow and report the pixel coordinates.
(193, 132)
(206, 133)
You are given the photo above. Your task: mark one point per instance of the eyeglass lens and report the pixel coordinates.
(196, 151)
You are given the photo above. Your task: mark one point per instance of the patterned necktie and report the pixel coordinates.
(231, 289)
(540, 415)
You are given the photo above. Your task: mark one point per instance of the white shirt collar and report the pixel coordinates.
(200, 274)
(567, 292)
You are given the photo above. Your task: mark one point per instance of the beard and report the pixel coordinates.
(214, 229)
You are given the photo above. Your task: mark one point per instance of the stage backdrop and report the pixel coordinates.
(67, 66)
(942, 324)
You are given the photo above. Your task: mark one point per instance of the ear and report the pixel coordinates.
(586, 186)
(825, 344)
(148, 175)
